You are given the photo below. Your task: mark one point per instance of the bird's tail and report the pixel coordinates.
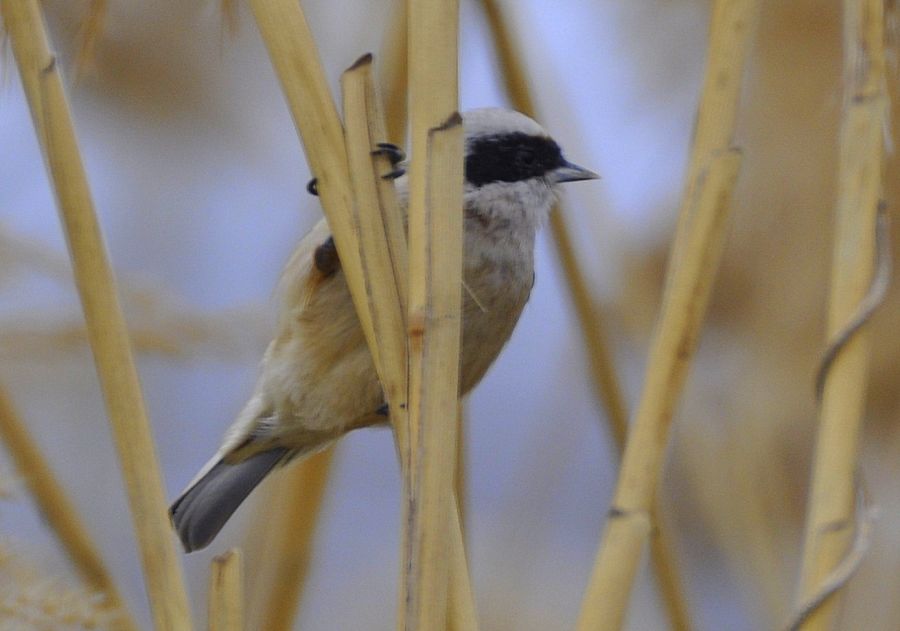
(202, 510)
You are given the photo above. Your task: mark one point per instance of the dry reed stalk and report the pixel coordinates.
(435, 327)
(226, 592)
(283, 536)
(384, 253)
(435, 295)
(629, 522)
(378, 223)
(731, 30)
(89, 34)
(60, 514)
(287, 552)
(295, 58)
(394, 75)
(590, 320)
(830, 521)
(106, 326)
(293, 53)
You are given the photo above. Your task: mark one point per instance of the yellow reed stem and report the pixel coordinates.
(629, 522)
(830, 521)
(731, 30)
(60, 514)
(435, 264)
(383, 252)
(435, 297)
(286, 538)
(394, 74)
(590, 320)
(291, 48)
(282, 538)
(378, 223)
(106, 326)
(89, 34)
(293, 53)
(226, 592)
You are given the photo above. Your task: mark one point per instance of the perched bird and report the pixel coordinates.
(317, 379)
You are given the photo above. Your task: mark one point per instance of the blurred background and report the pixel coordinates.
(199, 181)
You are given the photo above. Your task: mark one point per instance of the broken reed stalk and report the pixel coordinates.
(435, 296)
(283, 555)
(435, 327)
(830, 520)
(629, 522)
(226, 592)
(60, 514)
(106, 325)
(603, 373)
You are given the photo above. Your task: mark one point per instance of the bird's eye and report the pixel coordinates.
(527, 157)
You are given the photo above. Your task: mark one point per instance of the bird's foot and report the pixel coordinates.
(393, 153)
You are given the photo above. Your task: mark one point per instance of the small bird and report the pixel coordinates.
(317, 379)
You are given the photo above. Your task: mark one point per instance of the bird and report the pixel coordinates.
(317, 380)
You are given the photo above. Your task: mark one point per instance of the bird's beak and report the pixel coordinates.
(569, 172)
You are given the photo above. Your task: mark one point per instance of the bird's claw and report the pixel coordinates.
(393, 153)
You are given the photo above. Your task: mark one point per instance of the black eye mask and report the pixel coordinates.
(511, 158)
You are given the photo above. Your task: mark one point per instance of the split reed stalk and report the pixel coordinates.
(287, 530)
(60, 514)
(226, 592)
(590, 320)
(830, 520)
(629, 522)
(106, 326)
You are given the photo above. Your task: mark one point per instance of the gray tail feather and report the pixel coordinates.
(201, 512)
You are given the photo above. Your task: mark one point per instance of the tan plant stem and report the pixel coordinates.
(282, 538)
(629, 522)
(226, 592)
(590, 320)
(60, 513)
(106, 326)
(299, 492)
(293, 53)
(830, 521)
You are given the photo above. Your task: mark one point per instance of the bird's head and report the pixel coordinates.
(513, 164)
